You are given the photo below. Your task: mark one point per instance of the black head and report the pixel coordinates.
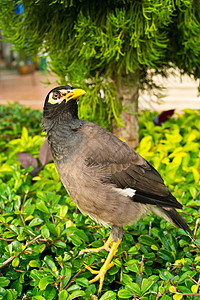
(61, 99)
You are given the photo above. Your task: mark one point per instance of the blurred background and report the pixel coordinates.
(21, 79)
(28, 83)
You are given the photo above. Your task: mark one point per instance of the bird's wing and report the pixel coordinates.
(125, 168)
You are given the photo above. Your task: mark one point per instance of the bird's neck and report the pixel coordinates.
(64, 113)
(62, 132)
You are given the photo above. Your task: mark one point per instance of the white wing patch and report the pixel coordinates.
(128, 192)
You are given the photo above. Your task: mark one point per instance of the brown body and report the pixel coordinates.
(105, 178)
(101, 172)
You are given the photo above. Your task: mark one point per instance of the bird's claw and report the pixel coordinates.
(100, 275)
(91, 270)
(106, 247)
(106, 266)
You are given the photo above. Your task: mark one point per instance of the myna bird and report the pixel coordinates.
(106, 179)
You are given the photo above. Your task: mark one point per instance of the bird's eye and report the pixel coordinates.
(56, 95)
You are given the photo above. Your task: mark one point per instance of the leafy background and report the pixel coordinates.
(42, 232)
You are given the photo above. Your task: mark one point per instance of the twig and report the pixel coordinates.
(52, 218)
(195, 245)
(32, 241)
(6, 225)
(21, 210)
(197, 194)
(74, 277)
(141, 269)
(12, 257)
(7, 261)
(150, 225)
(193, 279)
(121, 274)
(185, 213)
(196, 226)
(20, 271)
(25, 196)
(159, 293)
(22, 218)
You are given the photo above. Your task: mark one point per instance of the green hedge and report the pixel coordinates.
(42, 232)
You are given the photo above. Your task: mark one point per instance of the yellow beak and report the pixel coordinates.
(74, 94)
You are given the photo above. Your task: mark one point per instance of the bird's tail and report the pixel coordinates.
(177, 220)
(171, 216)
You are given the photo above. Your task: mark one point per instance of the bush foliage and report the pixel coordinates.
(42, 232)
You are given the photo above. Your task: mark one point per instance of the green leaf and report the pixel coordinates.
(75, 240)
(60, 244)
(133, 267)
(146, 285)
(52, 228)
(133, 250)
(166, 255)
(125, 294)
(108, 295)
(63, 210)
(147, 240)
(193, 191)
(165, 297)
(38, 298)
(41, 205)
(82, 281)
(45, 232)
(35, 222)
(50, 293)
(77, 294)
(135, 288)
(2, 292)
(24, 135)
(146, 143)
(4, 281)
(126, 279)
(196, 175)
(36, 274)
(66, 272)
(185, 275)
(49, 261)
(45, 281)
(194, 288)
(63, 295)
(177, 297)
(15, 262)
(9, 295)
(34, 263)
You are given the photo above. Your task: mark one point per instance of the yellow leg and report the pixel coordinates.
(107, 264)
(106, 246)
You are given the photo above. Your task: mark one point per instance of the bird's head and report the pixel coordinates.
(60, 99)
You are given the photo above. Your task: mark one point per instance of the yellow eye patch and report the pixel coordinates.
(58, 96)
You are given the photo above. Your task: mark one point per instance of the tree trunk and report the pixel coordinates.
(128, 94)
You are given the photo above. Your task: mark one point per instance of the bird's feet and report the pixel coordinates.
(100, 275)
(106, 246)
(107, 264)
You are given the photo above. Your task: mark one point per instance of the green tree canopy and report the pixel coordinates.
(111, 46)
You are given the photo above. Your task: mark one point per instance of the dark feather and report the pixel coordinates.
(126, 169)
(168, 201)
(177, 219)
